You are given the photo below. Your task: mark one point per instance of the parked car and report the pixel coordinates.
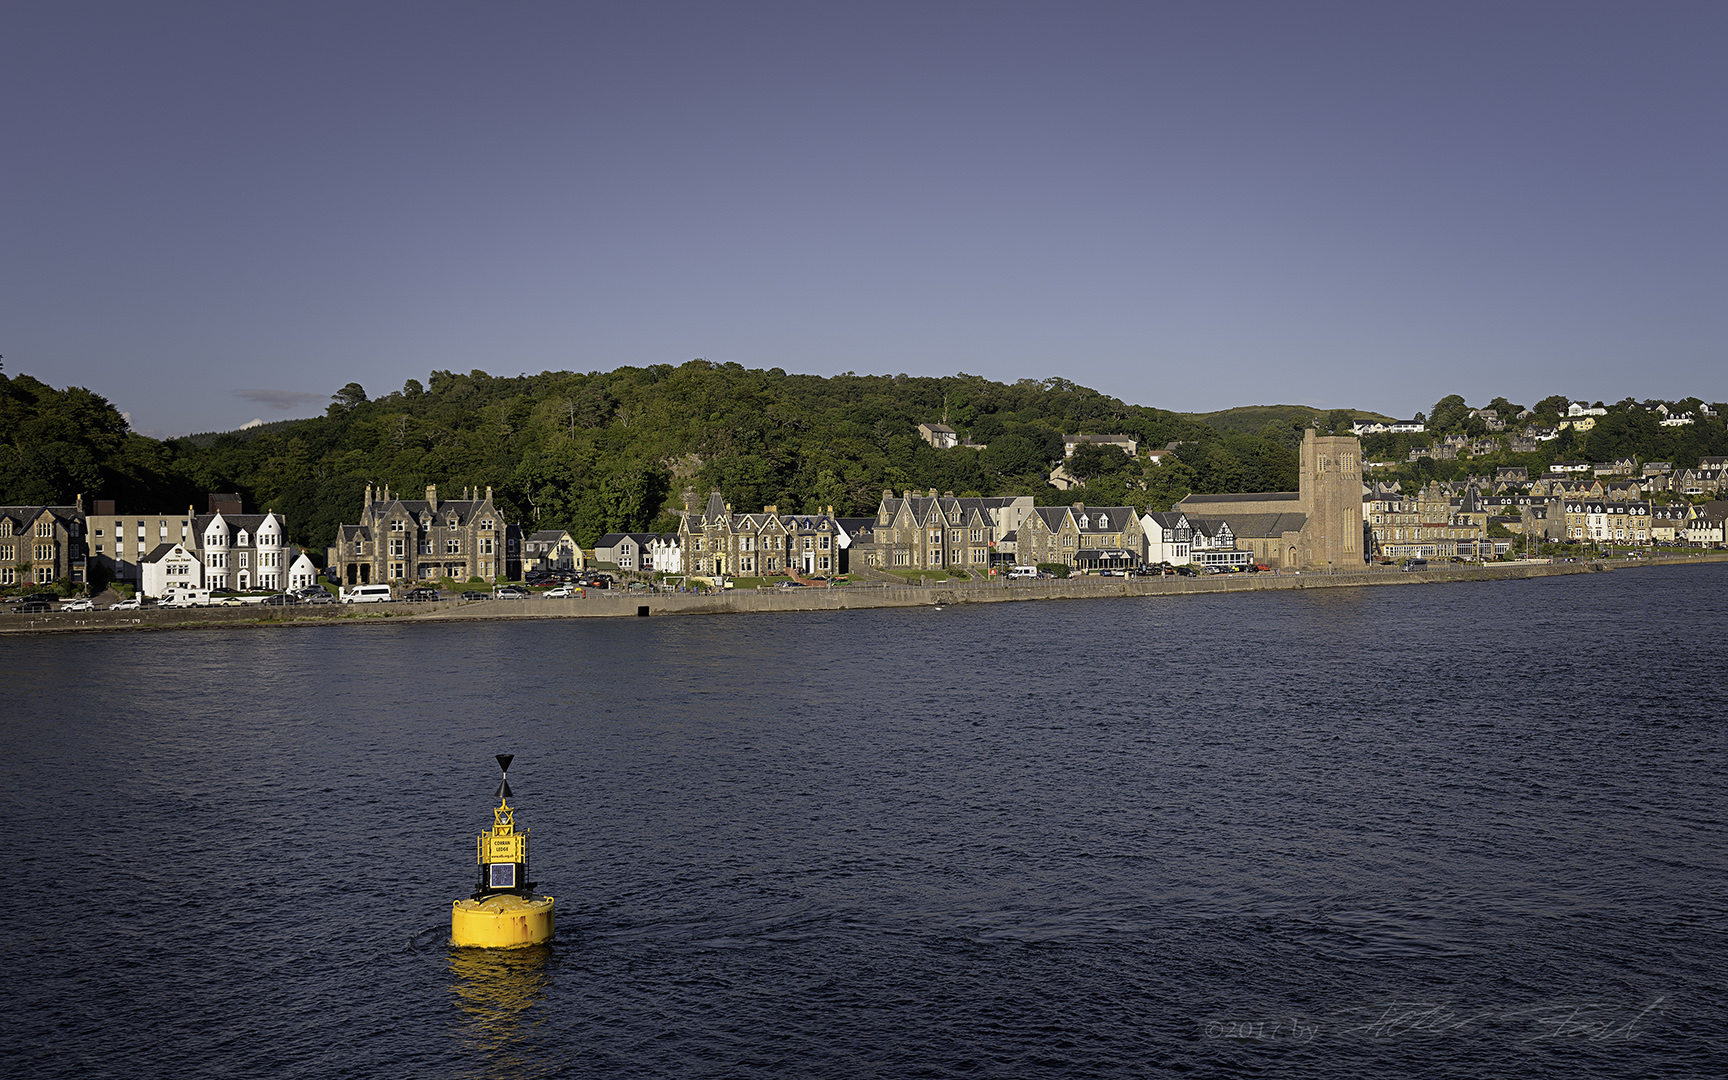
(316, 596)
(791, 584)
(131, 604)
(229, 601)
(281, 599)
(562, 592)
(509, 592)
(82, 603)
(31, 607)
(474, 596)
(422, 594)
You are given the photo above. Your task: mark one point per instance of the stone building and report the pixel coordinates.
(40, 545)
(1320, 524)
(933, 531)
(719, 542)
(412, 540)
(1081, 536)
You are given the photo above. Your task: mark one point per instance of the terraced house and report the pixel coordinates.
(719, 542)
(40, 545)
(1608, 522)
(426, 539)
(1081, 536)
(937, 532)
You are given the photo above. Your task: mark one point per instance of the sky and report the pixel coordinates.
(216, 213)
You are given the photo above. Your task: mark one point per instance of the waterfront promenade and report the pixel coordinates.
(627, 604)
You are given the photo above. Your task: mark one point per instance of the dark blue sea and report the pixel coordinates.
(1470, 830)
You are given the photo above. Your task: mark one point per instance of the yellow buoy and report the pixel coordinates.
(503, 912)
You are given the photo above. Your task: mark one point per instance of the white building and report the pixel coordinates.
(302, 575)
(169, 566)
(1168, 537)
(243, 551)
(665, 554)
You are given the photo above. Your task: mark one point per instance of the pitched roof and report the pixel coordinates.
(1256, 496)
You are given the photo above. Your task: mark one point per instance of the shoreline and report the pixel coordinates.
(613, 605)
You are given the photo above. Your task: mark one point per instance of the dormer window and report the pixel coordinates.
(1103, 521)
(240, 540)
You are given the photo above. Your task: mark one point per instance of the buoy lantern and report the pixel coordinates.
(503, 912)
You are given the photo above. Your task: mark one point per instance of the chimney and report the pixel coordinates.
(770, 509)
(432, 495)
(932, 494)
(78, 503)
(368, 494)
(488, 492)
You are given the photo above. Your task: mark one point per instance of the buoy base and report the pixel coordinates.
(501, 922)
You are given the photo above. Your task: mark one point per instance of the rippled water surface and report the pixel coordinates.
(1449, 831)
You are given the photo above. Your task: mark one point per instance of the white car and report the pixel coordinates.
(562, 592)
(83, 603)
(125, 605)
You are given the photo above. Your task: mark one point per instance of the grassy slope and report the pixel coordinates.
(1250, 419)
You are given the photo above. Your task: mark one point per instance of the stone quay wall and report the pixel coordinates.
(602, 603)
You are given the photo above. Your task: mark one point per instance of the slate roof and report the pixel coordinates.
(1266, 525)
(1257, 496)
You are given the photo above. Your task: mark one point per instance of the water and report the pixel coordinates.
(1451, 831)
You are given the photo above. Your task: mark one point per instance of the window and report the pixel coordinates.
(245, 559)
(44, 528)
(453, 546)
(8, 576)
(6, 527)
(486, 545)
(44, 575)
(822, 542)
(44, 552)
(398, 526)
(396, 546)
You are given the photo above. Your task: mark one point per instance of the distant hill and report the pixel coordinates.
(1252, 419)
(207, 439)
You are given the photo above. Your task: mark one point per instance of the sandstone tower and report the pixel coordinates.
(1331, 496)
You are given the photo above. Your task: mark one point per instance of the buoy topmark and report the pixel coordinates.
(503, 912)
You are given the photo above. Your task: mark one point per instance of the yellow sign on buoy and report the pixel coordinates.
(503, 912)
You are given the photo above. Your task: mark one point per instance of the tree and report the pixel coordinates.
(1096, 459)
(345, 399)
(1448, 414)
(1553, 406)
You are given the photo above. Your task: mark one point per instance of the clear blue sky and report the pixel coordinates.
(214, 212)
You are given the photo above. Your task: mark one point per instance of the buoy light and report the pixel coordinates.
(502, 912)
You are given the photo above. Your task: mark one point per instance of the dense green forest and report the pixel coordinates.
(609, 451)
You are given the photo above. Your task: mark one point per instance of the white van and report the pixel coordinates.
(367, 594)
(1023, 572)
(186, 597)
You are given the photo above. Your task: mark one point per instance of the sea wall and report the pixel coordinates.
(623, 604)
